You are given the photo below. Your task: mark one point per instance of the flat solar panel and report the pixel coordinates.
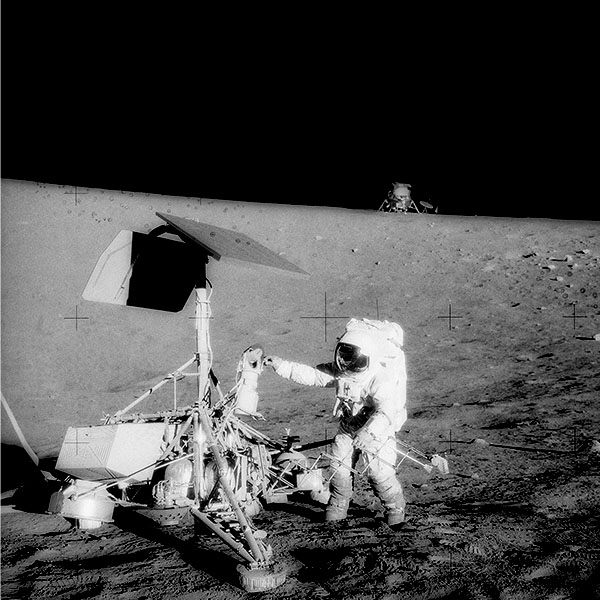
(225, 243)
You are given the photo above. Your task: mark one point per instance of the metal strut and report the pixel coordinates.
(259, 555)
(203, 435)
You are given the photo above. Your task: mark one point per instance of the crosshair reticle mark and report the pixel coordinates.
(449, 441)
(76, 193)
(450, 316)
(77, 442)
(574, 316)
(76, 318)
(325, 316)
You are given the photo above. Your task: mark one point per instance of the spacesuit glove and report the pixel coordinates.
(363, 439)
(272, 361)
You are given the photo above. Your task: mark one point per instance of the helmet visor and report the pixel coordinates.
(349, 358)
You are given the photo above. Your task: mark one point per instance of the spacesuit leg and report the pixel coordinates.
(341, 482)
(384, 480)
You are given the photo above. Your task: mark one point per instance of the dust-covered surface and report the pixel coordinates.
(530, 531)
(514, 369)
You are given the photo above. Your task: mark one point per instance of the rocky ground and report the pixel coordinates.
(524, 528)
(517, 367)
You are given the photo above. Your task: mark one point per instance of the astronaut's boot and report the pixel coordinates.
(394, 516)
(391, 496)
(337, 509)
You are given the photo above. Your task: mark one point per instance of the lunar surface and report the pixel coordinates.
(502, 338)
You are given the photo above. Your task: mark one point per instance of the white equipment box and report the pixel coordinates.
(111, 451)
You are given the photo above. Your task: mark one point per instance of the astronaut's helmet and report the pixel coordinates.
(350, 358)
(356, 352)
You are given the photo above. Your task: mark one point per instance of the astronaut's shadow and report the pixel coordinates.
(300, 506)
(303, 506)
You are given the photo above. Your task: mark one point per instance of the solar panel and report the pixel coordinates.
(129, 269)
(225, 243)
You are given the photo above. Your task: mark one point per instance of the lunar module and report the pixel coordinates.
(201, 459)
(399, 199)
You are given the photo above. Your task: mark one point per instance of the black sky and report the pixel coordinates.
(498, 137)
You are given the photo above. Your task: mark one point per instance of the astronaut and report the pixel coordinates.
(371, 408)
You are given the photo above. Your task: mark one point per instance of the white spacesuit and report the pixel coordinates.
(369, 375)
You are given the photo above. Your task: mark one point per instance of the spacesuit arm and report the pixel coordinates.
(306, 375)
